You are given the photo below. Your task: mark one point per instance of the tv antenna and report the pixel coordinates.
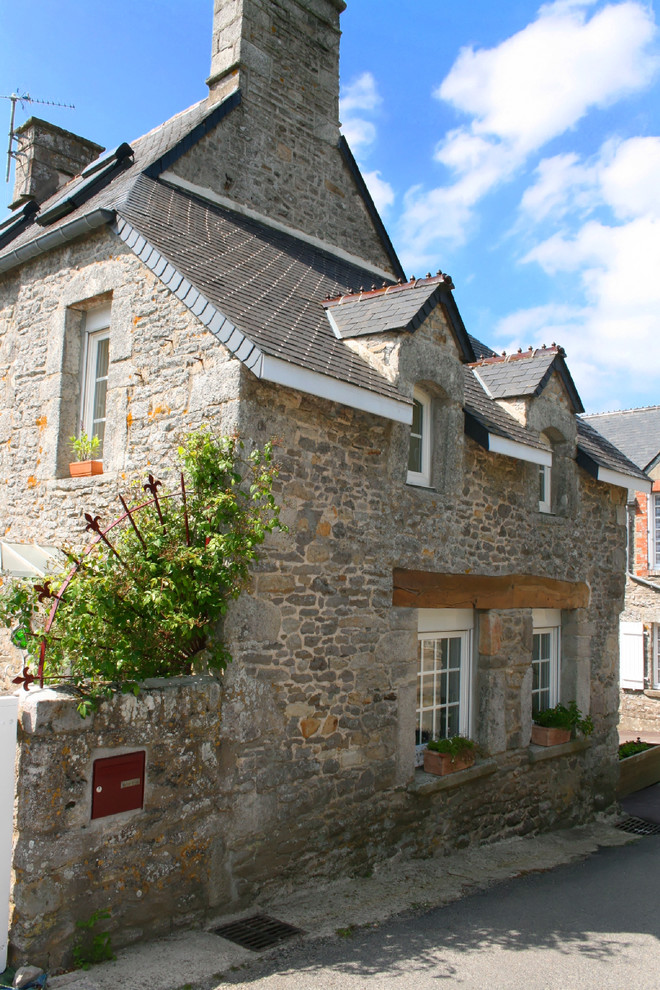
(24, 98)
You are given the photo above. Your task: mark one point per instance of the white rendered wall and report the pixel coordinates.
(8, 716)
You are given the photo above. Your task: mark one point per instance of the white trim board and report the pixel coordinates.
(511, 448)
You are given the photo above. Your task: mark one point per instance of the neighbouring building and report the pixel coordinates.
(637, 433)
(456, 549)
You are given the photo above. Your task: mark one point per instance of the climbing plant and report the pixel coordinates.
(146, 599)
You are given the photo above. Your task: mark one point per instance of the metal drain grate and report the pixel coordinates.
(637, 826)
(258, 932)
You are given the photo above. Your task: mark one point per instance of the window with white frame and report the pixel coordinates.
(655, 647)
(419, 452)
(546, 647)
(444, 675)
(654, 528)
(95, 374)
(545, 488)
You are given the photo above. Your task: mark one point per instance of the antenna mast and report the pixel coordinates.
(23, 99)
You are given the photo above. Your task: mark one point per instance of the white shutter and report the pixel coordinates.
(631, 652)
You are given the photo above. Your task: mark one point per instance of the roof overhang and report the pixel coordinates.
(497, 444)
(610, 477)
(55, 238)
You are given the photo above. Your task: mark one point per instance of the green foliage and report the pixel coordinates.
(93, 947)
(154, 608)
(631, 748)
(83, 447)
(454, 746)
(561, 717)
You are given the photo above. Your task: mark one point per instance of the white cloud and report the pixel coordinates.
(623, 177)
(531, 88)
(612, 337)
(381, 191)
(357, 98)
(361, 94)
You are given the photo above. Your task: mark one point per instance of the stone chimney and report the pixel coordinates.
(284, 55)
(46, 158)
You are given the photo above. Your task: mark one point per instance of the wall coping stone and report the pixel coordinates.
(539, 753)
(427, 783)
(53, 709)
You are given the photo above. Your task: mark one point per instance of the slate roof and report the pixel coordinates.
(267, 282)
(148, 151)
(634, 431)
(492, 418)
(596, 448)
(527, 373)
(402, 307)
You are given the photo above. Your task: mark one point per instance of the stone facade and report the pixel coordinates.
(301, 759)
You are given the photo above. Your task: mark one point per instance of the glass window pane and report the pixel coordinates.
(102, 355)
(415, 454)
(453, 722)
(443, 654)
(455, 686)
(427, 691)
(455, 652)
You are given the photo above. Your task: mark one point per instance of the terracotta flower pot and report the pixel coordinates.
(441, 763)
(545, 736)
(84, 469)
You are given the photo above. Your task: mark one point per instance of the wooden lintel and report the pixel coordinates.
(424, 589)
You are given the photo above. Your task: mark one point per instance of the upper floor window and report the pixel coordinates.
(545, 488)
(654, 525)
(545, 658)
(95, 373)
(419, 453)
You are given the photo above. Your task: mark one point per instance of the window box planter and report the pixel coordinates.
(546, 736)
(443, 763)
(85, 469)
(639, 771)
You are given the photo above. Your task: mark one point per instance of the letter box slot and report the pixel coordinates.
(117, 784)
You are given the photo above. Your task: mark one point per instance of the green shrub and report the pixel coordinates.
(454, 746)
(153, 606)
(631, 748)
(561, 717)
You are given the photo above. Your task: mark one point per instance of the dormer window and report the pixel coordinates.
(545, 488)
(419, 453)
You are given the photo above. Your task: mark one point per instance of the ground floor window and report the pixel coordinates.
(443, 675)
(655, 641)
(545, 659)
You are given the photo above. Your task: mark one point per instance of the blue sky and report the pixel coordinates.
(515, 146)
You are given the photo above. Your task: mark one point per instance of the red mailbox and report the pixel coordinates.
(117, 784)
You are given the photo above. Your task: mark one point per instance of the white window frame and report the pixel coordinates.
(655, 647)
(435, 625)
(548, 621)
(96, 330)
(654, 531)
(545, 488)
(423, 478)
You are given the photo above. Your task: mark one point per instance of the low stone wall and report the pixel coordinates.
(150, 868)
(203, 846)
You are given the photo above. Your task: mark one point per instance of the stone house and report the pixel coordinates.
(636, 432)
(456, 548)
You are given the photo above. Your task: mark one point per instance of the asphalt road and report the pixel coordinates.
(591, 924)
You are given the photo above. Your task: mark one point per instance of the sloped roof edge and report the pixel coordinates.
(490, 439)
(54, 238)
(264, 366)
(354, 169)
(209, 123)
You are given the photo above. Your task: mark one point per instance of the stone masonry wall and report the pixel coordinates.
(167, 374)
(306, 764)
(155, 868)
(277, 153)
